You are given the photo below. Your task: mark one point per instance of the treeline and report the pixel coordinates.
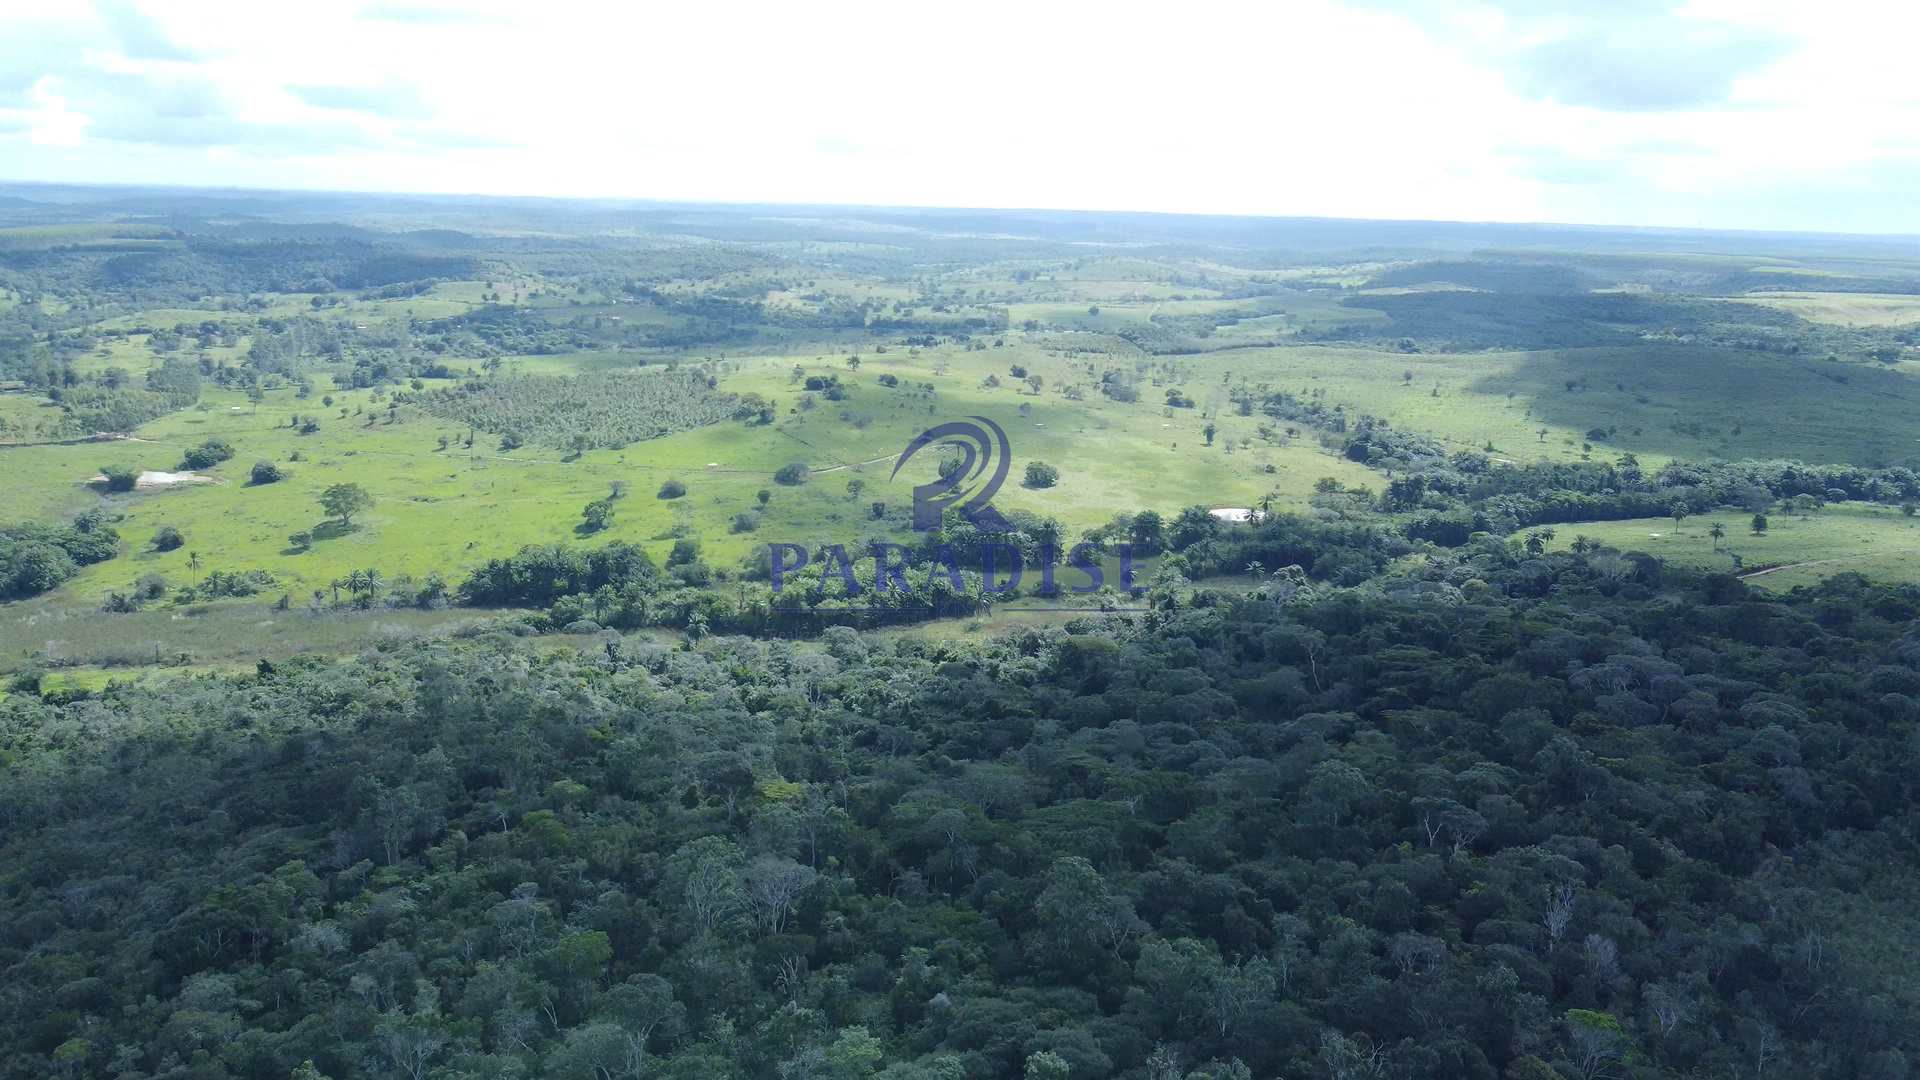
(619, 586)
(956, 570)
(1455, 495)
(501, 330)
(1462, 320)
(193, 267)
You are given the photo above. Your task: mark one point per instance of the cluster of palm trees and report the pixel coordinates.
(361, 585)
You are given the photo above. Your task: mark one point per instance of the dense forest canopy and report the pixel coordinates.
(1438, 829)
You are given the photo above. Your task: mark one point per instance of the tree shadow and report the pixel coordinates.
(333, 530)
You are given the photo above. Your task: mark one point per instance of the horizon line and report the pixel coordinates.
(633, 200)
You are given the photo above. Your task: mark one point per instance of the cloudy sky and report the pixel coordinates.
(1736, 114)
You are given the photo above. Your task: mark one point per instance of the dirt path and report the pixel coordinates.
(1822, 562)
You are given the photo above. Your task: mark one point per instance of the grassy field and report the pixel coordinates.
(44, 237)
(1661, 401)
(1877, 541)
(1845, 308)
(227, 634)
(447, 510)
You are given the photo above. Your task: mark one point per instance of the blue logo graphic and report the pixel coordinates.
(984, 448)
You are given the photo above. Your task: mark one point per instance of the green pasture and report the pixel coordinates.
(1878, 541)
(76, 639)
(1844, 308)
(1661, 400)
(447, 510)
(26, 417)
(90, 234)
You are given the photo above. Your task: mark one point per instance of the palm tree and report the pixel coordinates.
(1716, 530)
(335, 584)
(357, 582)
(1254, 569)
(1536, 543)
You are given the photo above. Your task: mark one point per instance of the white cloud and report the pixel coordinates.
(1724, 114)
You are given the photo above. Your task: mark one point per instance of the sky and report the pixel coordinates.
(1745, 114)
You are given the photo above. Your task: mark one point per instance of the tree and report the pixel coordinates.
(266, 472)
(1332, 789)
(345, 500)
(597, 515)
(301, 541)
(1209, 431)
(773, 885)
(1596, 1040)
(1717, 531)
(167, 538)
(792, 474)
(1080, 916)
(1041, 475)
(704, 878)
(1759, 524)
(1047, 1065)
(1679, 512)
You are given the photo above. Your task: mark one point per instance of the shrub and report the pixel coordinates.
(672, 489)
(1041, 475)
(792, 474)
(207, 454)
(266, 472)
(119, 477)
(301, 541)
(744, 523)
(167, 538)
